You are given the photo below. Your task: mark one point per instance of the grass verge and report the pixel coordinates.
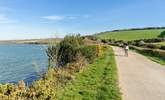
(154, 57)
(98, 81)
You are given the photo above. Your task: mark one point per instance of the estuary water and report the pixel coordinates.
(22, 62)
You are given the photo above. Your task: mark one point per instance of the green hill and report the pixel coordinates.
(130, 34)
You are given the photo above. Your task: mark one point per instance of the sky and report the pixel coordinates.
(27, 19)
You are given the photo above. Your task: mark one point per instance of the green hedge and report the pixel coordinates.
(150, 52)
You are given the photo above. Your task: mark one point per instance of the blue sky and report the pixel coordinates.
(25, 19)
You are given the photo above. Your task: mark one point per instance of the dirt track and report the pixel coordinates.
(140, 78)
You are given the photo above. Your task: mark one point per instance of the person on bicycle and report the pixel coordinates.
(126, 49)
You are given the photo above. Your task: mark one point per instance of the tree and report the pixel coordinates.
(65, 51)
(162, 34)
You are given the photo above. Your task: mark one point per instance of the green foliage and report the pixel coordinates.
(67, 50)
(162, 34)
(66, 54)
(153, 40)
(74, 40)
(157, 45)
(89, 52)
(152, 46)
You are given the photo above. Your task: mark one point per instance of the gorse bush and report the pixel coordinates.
(99, 50)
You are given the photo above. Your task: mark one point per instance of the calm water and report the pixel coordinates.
(21, 62)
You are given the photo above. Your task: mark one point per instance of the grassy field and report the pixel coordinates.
(130, 35)
(99, 81)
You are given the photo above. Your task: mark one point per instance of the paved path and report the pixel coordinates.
(140, 78)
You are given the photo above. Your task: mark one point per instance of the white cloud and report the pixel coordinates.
(53, 17)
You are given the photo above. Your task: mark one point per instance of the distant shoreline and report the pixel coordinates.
(30, 41)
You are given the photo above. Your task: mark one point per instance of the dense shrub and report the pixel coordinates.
(150, 52)
(89, 52)
(104, 41)
(66, 54)
(111, 40)
(145, 45)
(66, 51)
(152, 46)
(162, 34)
(162, 47)
(153, 40)
(156, 53)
